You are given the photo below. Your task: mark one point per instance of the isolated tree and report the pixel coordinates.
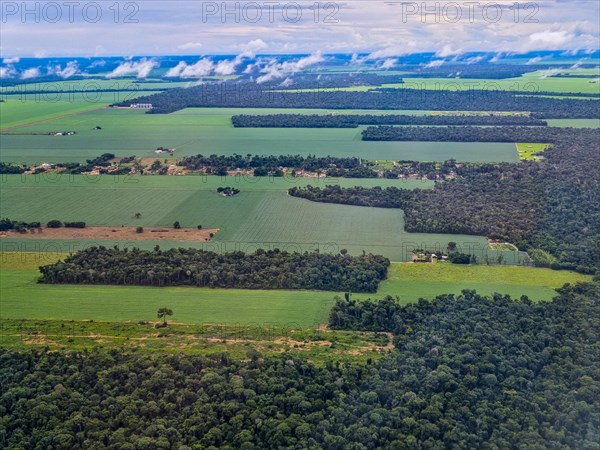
(177, 225)
(163, 313)
(451, 247)
(156, 165)
(137, 215)
(139, 230)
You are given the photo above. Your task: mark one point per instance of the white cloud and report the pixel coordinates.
(175, 72)
(388, 63)
(13, 60)
(275, 69)
(393, 50)
(206, 66)
(34, 72)
(71, 69)
(447, 50)
(474, 59)
(549, 73)
(253, 47)
(497, 57)
(435, 63)
(7, 71)
(141, 69)
(202, 68)
(189, 46)
(535, 60)
(97, 63)
(553, 38)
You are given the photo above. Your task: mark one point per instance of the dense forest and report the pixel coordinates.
(469, 134)
(308, 163)
(550, 205)
(469, 372)
(252, 95)
(354, 120)
(272, 269)
(12, 169)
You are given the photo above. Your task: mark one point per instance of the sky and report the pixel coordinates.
(383, 29)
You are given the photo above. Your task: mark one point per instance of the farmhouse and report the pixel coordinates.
(141, 105)
(161, 150)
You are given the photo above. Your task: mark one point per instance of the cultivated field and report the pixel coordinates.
(261, 215)
(537, 81)
(24, 298)
(20, 110)
(127, 132)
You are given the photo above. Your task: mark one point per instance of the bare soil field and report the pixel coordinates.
(119, 233)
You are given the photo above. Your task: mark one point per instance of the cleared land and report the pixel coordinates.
(127, 132)
(538, 81)
(118, 233)
(412, 281)
(21, 110)
(262, 215)
(23, 298)
(575, 123)
(529, 151)
(317, 345)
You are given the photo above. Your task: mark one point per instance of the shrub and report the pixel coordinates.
(74, 224)
(54, 224)
(6, 224)
(542, 258)
(199, 227)
(139, 230)
(177, 225)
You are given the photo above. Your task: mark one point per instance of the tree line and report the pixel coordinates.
(551, 205)
(355, 120)
(465, 134)
(272, 269)
(470, 372)
(310, 163)
(248, 94)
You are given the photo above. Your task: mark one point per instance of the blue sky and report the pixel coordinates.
(383, 29)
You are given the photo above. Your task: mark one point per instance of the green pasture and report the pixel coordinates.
(411, 281)
(262, 215)
(23, 298)
(19, 110)
(529, 151)
(575, 123)
(92, 84)
(127, 132)
(537, 81)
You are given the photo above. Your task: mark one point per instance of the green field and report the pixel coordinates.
(92, 84)
(262, 215)
(528, 151)
(537, 81)
(23, 298)
(208, 131)
(575, 123)
(18, 110)
(413, 281)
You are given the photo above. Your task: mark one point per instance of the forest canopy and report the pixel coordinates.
(272, 269)
(469, 372)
